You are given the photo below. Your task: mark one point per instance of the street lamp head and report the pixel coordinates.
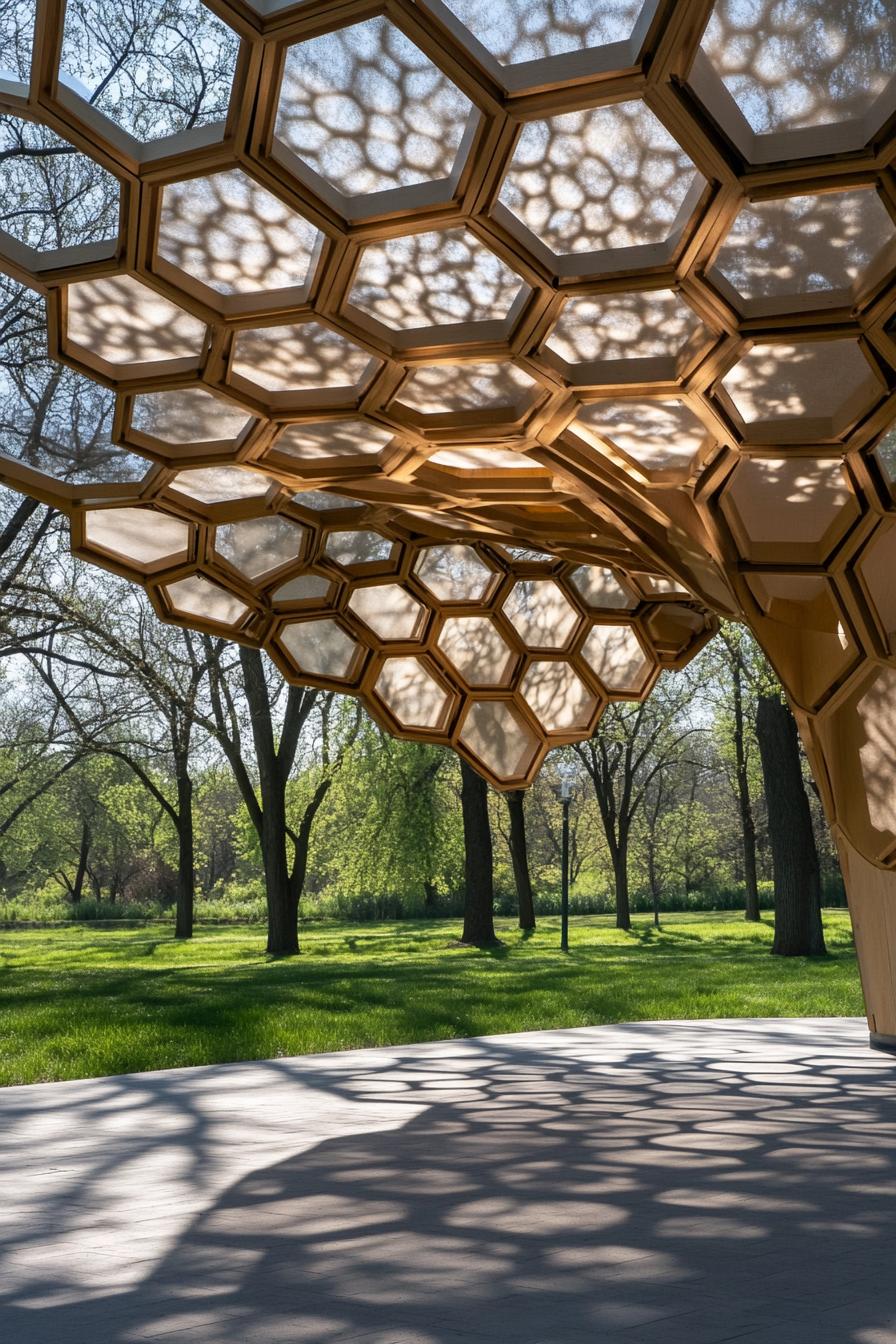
(565, 789)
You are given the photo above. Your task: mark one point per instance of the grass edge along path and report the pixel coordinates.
(87, 1002)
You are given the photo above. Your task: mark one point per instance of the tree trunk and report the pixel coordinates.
(186, 879)
(620, 877)
(77, 890)
(653, 878)
(798, 929)
(519, 857)
(479, 926)
(301, 845)
(747, 825)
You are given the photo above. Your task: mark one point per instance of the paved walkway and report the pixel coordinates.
(658, 1183)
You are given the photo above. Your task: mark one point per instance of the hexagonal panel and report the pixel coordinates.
(368, 112)
(154, 69)
(437, 389)
(877, 568)
(806, 629)
(220, 485)
(412, 694)
(648, 325)
(789, 510)
(453, 573)
(303, 588)
(601, 589)
(818, 248)
(446, 279)
(617, 658)
(793, 65)
(17, 41)
(804, 389)
(558, 698)
(389, 611)
(126, 324)
(540, 613)
(333, 439)
(516, 32)
(139, 536)
(604, 180)
(229, 233)
(477, 460)
(307, 357)
(325, 501)
(260, 545)
(658, 437)
(39, 206)
(495, 733)
(321, 648)
(475, 648)
(188, 415)
(198, 597)
(358, 546)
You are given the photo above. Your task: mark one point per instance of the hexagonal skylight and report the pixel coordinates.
(38, 205)
(301, 358)
(368, 112)
(233, 235)
(153, 70)
(649, 324)
(436, 389)
(453, 573)
(603, 180)
(260, 545)
(121, 321)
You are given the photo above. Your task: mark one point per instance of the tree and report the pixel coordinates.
(479, 894)
(798, 927)
(739, 656)
(633, 743)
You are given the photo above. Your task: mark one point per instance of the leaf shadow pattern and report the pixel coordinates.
(655, 1181)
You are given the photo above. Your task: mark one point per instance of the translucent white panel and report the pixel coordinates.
(616, 655)
(484, 459)
(321, 500)
(153, 66)
(368, 111)
(141, 535)
(320, 647)
(39, 205)
(658, 435)
(603, 178)
(124, 322)
(650, 583)
(217, 485)
(804, 244)
(389, 611)
(623, 326)
(358, 547)
(558, 698)
(433, 279)
(301, 358)
(259, 545)
(794, 63)
(198, 596)
(809, 378)
(541, 615)
(411, 693)
(436, 388)
(333, 438)
(600, 588)
(477, 650)
(235, 236)
(188, 415)
(453, 573)
(496, 734)
(515, 31)
(305, 588)
(16, 39)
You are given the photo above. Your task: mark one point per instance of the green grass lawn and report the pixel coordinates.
(81, 1002)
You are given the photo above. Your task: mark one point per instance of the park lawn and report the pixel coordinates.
(88, 1001)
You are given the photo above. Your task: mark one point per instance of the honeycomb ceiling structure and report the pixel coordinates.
(473, 358)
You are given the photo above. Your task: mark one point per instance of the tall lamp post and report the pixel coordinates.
(564, 793)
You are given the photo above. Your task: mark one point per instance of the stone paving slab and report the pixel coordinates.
(651, 1183)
